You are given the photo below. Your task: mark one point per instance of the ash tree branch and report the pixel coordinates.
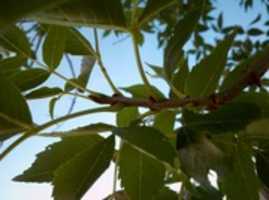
(256, 69)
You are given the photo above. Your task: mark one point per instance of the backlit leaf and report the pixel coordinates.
(149, 140)
(14, 39)
(43, 92)
(54, 46)
(75, 177)
(204, 78)
(100, 13)
(141, 176)
(55, 155)
(183, 31)
(30, 78)
(14, 111)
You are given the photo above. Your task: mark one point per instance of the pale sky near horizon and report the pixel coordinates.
(120, 63)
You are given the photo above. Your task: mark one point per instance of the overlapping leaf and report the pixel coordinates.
(204, 78)
(149, 140)
(240, 175)
(13, 10)
(54, 46)
(229, 118)
(102, 13)
(55, 155)
(14, 111)
(183, 31)
(141, 176)
(75, 177)
(30, 78)
(153, 8)
(14, 39)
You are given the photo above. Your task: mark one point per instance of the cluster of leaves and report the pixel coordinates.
(159, 146)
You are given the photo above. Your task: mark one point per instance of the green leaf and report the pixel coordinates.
(13, 10)
(259, 127)
(126, 116)
(101, 13)
(77, 44)
(43, 92)
(229, 118)
(55, 155)
(240, 71)
(240, 175)
(164, 121)
(149, 140)
(87, 65)
(12, 64)
(14, 39)
(179, 78)
(30, 78)
(262, 165)
(141, 176)
(159, 72)
(75, 177)
(220, 21)
(52, 104)
(256, 20)
(261, 99)
(183, 31)
(54, 46)
(166, 194)
(14, 111)
(86, 70)
(119, 195)
(204, 78)
(141, 91)
(153, 8)
(255, 32)
(91, 129)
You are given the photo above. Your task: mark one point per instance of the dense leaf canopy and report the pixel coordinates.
(215, 116)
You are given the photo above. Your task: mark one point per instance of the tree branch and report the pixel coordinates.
(257, 68)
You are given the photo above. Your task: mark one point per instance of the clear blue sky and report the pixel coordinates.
(120, 64)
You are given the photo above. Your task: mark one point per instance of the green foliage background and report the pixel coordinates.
(215, 118)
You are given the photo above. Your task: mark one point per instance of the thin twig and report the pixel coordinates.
(101, 64)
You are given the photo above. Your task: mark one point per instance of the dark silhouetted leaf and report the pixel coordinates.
(14, 111)
(229, 118)
(255, 32)
(13, 10)
(240, 71)
(166, 194)
(44, 92)
(153, 8)
(256, 20)
(100, 13)
(11, 65)
(14, 39)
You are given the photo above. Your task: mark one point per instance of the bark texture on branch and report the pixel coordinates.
(256, 69)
